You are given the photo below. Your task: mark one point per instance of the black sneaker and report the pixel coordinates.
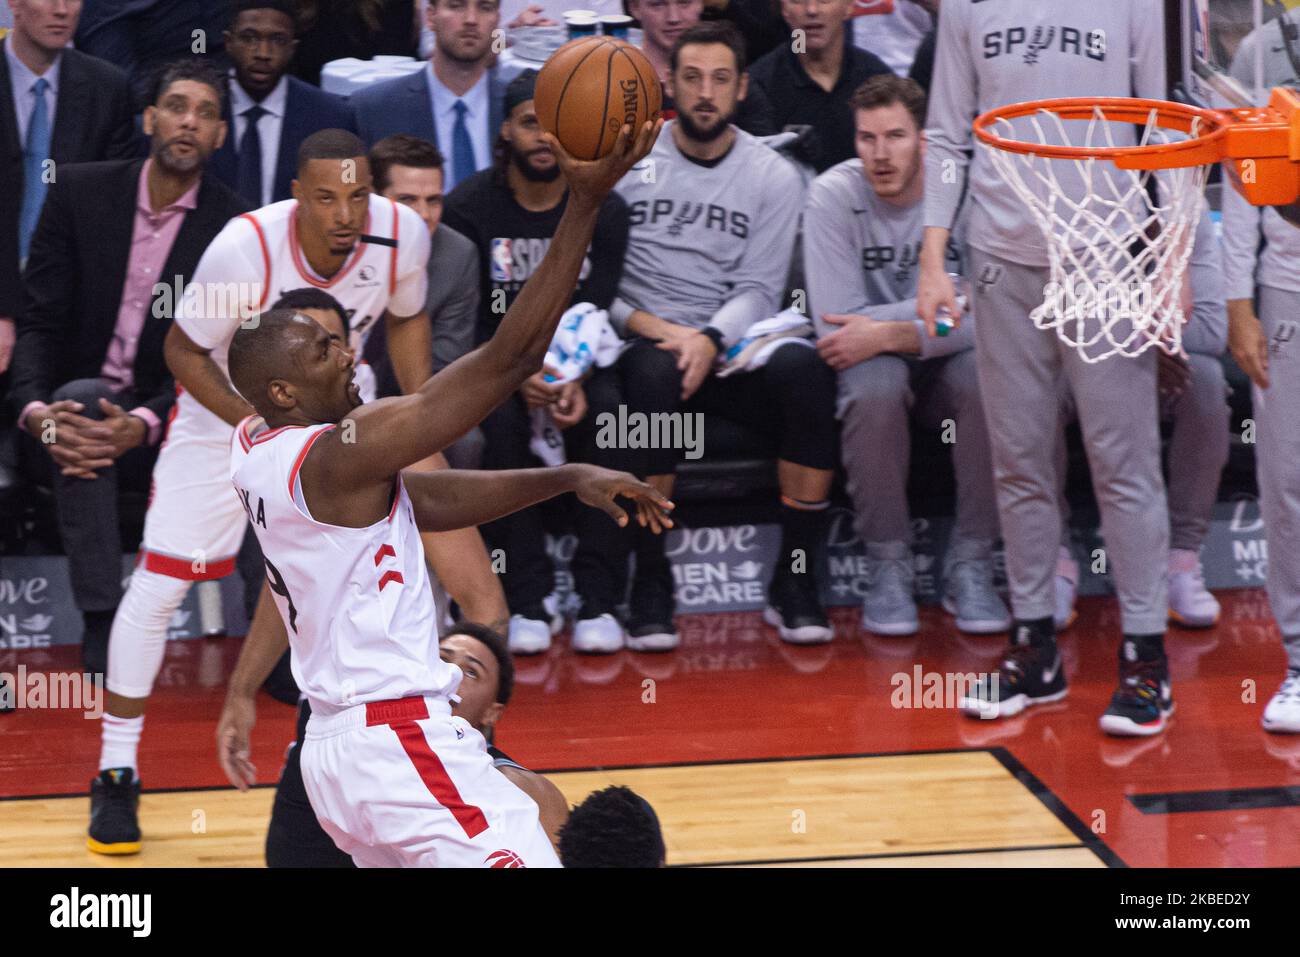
(1030, 675)
(1143, 702)
(795, 609)
(114, 801)
(650, 612)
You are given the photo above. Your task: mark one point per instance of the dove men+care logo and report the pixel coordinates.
(718, 568)
(23, 626)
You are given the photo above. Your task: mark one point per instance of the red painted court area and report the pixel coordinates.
(1214, 790)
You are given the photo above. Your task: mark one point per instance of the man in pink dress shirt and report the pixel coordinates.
(90, 385)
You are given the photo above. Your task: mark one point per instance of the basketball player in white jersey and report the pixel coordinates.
(394, 779)
(335, 234)
(1267, 347)
(991, 54)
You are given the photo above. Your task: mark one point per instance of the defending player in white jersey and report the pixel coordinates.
(335, 234)
(392, 776)
(1267, 347)
(991, 54)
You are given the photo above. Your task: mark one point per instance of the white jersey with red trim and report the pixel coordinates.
(357, 603)
(256, 259)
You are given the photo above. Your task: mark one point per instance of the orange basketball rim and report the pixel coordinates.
(1262, 143)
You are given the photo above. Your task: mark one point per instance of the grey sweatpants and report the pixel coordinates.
(1277, 453)
(1020, 368)
(877, 400)
(1198, 451)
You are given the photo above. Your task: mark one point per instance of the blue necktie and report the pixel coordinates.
(248, 175)
(35, 153)
(462, 148)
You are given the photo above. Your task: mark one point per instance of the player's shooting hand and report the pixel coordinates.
(593, 179)
(695, 356)
(234, 731)
(571, 407)
(1247, 342)
(599, 487)
(537, 392)
(934, 290)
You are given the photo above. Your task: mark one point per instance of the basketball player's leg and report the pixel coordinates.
(1277, 450)
(1119, 418)
(1067, 569)
(790, 398)
(874, 406)
(1019, 371)
(418, 793)
(192, 533)
(651, 383)
(1198, 451)
(949, 394)
(294, 837)
(521, 537)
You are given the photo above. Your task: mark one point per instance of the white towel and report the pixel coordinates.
(583, 339)
(764, 338)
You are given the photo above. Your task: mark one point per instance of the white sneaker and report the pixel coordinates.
(528, 636)
(602, 635)
(1067, 584)
(1190, 602)
(1282, 714)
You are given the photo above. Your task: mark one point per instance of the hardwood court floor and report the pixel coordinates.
(918, 809)
(735, 732)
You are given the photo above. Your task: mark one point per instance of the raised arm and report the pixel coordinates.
(386, 436)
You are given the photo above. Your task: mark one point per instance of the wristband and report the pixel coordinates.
(715, 336)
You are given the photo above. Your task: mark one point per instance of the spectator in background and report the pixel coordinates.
(116, 242)
(409, 171)
(759, 21)
(66, 107)
(510, 212)
(456, 103)
(862, 229)
(813, 87)
(334, 29)
(140, 36)
(615, 827)
(662, 22)
(269, 113)
(895, 36)
(709, 250)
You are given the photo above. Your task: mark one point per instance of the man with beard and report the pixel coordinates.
(456, 103)
(90, 386)
(510, 212)
(713, 215)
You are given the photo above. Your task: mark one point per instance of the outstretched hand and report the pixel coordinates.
(594, 179)
(599, 487)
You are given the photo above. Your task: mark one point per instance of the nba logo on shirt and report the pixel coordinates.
(502, 260)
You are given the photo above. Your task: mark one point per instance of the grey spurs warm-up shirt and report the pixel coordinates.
(1019, 50)
(862, 256)
(710, 244)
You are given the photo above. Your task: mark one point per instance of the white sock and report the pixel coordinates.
(120, 742)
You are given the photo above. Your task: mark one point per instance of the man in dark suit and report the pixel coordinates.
(82, 113)
(454, 104)
(270, 114)
(115, 246)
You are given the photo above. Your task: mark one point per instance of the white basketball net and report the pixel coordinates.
(1118, 244)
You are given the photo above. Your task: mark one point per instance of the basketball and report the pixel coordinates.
(589, 88)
